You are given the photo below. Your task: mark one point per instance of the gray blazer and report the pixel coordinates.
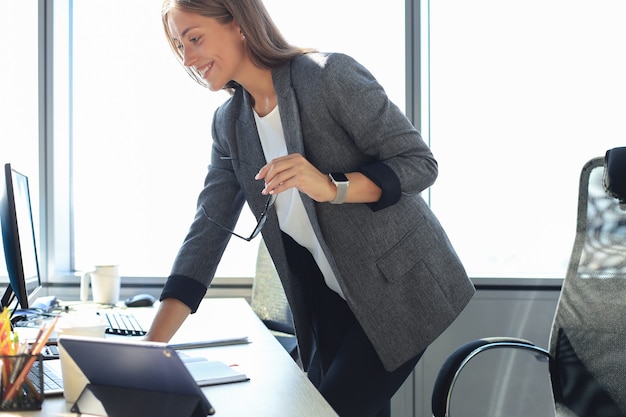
(396, 267)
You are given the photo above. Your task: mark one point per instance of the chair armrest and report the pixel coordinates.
(455, 362)
(279, 326)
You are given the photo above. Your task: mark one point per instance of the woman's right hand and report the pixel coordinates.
(170, 316)
(295, 171)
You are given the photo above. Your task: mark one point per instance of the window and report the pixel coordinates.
(521, 96)
(516, 99)
(139, 130)
(19, 76)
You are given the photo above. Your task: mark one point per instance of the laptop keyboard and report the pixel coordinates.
(122, 323)
(52, 381)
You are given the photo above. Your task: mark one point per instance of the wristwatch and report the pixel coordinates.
(341, 182)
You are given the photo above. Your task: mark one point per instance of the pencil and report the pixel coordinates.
(12, 391)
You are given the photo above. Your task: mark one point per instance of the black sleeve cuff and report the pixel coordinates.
(185, 289)
(387, 180)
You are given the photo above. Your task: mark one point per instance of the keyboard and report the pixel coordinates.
(119, 323)
(50, 352)
(52, 380)
(122, 323)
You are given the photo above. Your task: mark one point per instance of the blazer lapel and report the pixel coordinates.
(288, 105)
(248, 142)
(249, 152)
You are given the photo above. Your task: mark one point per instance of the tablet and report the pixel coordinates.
(148, 375)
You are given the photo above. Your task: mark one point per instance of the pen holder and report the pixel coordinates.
(21, 382)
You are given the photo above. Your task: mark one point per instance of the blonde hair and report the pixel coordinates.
(266, 46)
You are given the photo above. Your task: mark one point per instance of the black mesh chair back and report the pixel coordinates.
(588, 337)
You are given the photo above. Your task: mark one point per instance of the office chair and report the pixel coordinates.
(587, 350)
(270, 303)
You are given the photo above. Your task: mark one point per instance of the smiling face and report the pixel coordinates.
(216, 51)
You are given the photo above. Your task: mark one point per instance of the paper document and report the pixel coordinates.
(207, 372)
(224, 341)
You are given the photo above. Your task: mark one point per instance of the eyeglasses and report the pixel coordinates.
(260, 223)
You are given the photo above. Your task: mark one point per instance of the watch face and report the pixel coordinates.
(339, 177)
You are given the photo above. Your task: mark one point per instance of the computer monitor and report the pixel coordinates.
(18, 236)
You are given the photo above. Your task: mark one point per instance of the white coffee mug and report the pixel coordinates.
(75, 324)
(105, 284)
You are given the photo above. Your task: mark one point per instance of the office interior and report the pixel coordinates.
(513, 99)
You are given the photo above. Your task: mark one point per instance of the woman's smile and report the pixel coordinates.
(204, 69)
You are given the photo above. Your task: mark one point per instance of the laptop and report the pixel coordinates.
(130, 378)
(52, 377)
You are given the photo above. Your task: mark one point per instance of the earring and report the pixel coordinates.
(243, 37)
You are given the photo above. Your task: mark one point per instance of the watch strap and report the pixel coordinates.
(341, 182)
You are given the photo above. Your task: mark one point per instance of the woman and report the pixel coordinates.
(369, 273)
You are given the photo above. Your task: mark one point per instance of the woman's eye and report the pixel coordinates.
(179, 46)
(194, 40)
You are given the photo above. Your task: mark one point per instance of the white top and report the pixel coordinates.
(292, 216)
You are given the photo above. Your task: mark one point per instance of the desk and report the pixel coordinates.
(277, 386)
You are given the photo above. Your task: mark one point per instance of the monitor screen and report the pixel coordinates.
(18, 236)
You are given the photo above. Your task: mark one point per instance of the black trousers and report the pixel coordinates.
(345, 367)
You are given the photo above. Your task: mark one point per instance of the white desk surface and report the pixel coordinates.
(277, 386)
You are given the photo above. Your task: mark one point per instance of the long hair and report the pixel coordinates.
(266, 46)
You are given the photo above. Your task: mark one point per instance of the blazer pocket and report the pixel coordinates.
(403, 257)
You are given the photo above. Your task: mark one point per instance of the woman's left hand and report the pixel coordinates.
(295, 171)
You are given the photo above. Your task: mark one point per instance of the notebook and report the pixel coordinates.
(206, 372)
(126, 378)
